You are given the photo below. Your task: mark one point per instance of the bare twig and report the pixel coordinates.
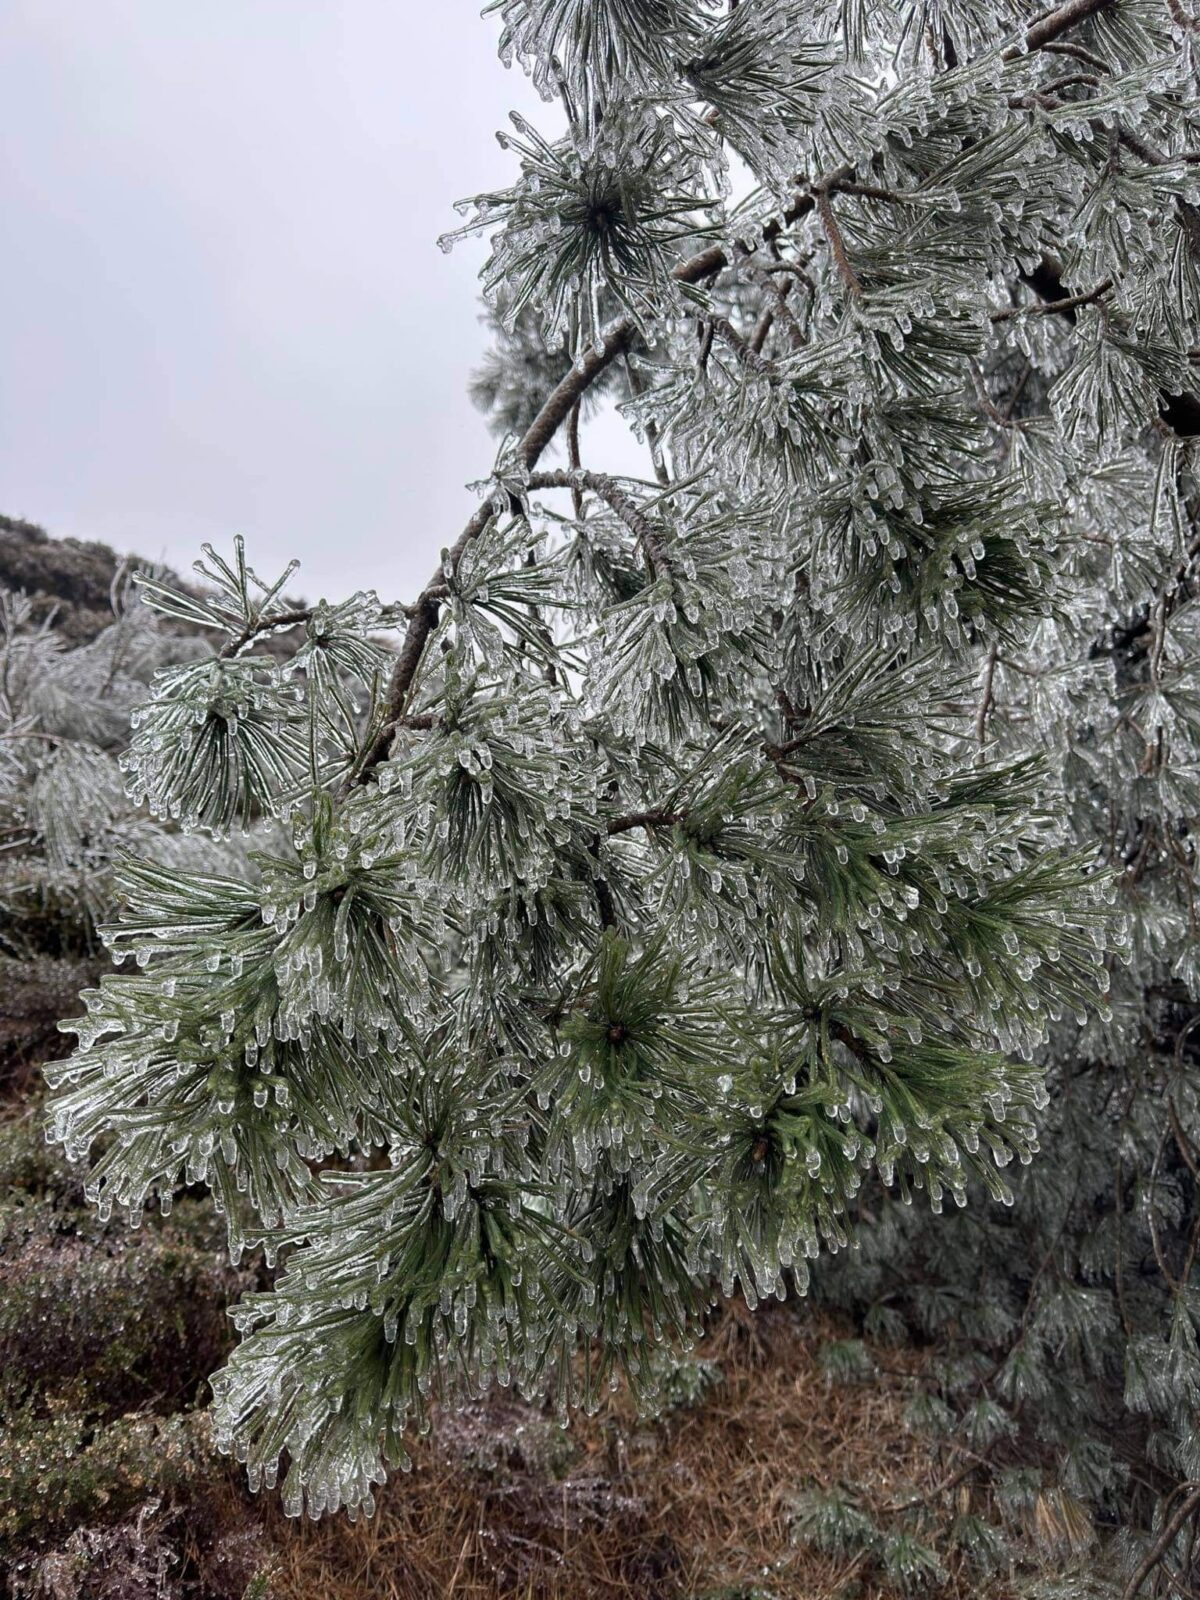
(837, 245)
(1048, 29)
(745, 352)
(1046, 308)
(270, 624)
(1063, 48)
(762, 329)
(1162, 1544)
(785, 314)
(1182, 1141)
(1183, 19)
(610, 491)
(985, 697)
(943, 1485)
(986, 401)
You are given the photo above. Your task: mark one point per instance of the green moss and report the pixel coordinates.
(56, 1473)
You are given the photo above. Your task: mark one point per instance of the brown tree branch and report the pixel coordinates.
(254, 630)
(986, 696)
(745, 352)
(1058, 22)
(1046, 308)
(837, 245)
(558, 406)
(610, 491)
(1162, 1544)
(1079, 54)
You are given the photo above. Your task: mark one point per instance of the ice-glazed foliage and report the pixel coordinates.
(693, 861)
(65, 818)
(590, 221)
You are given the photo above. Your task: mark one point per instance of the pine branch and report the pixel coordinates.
(1055, 307)
(557, 408)
(1181, 412)
(608, 490)
(833, 943)
(1058, 22)
(264, 625)
(837, 245)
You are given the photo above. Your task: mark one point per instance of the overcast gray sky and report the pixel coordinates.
(222, 305)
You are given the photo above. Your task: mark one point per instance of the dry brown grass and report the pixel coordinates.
(693, 1504)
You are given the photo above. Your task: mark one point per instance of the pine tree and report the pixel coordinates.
(65, 819)
(692, 859)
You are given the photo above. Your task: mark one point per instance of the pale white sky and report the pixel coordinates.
(222, 306)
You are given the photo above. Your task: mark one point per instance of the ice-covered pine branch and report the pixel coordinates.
(664, 882)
